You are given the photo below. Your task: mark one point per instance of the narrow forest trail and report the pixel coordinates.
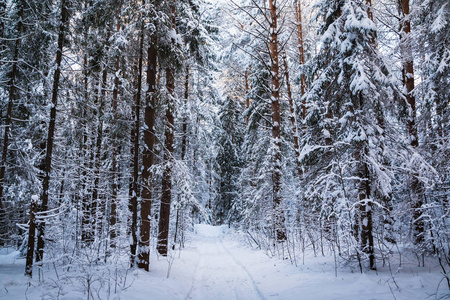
(218, 273)
(217, 264)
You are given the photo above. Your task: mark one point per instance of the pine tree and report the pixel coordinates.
(135, 136)
(267, 75)
(11, 98)
(149, 141)
(114, 167)
(409, 84)
(50, 141)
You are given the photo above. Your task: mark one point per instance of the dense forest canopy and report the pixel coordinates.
(320, 122)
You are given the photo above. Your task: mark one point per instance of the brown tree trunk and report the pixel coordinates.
(370, 15)
(388, 219)
(301, 51)
(135, 149)
(292, 117)
(166, 197)
(147, 156)
(96, 205)
(366, 207)
(408, 81)
(87, 236)
(183, 145)
(2, 25)
(186, 98)
(367, 239)
(247, 89)
(278, 211)
(408, 72)
(51, 132)
(363, 227)
(114, 192)
(12, 87)
(31, 236)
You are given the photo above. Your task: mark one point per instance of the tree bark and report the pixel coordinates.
(2, 25)
(31, 236)
(166, 197)
(114, 192)
(51, 132)
(147, 155)
(87, 236)
(278, 211)
(247, 89)
(11, 98)
(183, 145)
(186, 98)
(366, 207)
(135, 149)
(301, 51)
(292, 117)
(96, 205)
(408, 81)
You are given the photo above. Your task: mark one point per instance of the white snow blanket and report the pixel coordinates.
(216, 265)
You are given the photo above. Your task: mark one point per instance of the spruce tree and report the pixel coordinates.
(347, 126)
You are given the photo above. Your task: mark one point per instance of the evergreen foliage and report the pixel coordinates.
(125, 122)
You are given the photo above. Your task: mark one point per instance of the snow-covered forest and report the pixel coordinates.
(158, 149)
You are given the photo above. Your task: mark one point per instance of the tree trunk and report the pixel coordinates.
(301, 51)
(247, 89)
(114, 192)
(278, 211)
(408, 81)
(96, 205)
(11, 98)
(87, 236)
(2, 25)
(51, 132)
(147, 156)
(8, 122)
(366, 207)
(31, 236)
(388, 219)
(166, 197)
(292, 117)
(363, 227)
(183, 145)
(186, 98)
(135, 137)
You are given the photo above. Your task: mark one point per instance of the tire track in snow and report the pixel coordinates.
(219, 274)
(255, 286)
(193, 281)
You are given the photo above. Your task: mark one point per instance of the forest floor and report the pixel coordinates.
(216, 264)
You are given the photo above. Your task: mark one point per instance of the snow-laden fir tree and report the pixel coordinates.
(24, 67)
(346, 150)
(432, 46)
(229, 159)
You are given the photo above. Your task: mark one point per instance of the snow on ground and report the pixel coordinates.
(216, 265)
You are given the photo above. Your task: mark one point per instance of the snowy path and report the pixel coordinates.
(219, 274)
(216, 265)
